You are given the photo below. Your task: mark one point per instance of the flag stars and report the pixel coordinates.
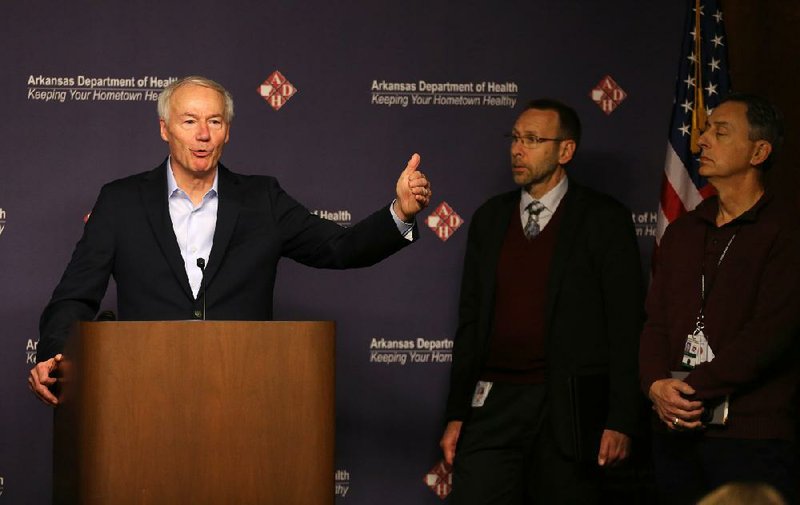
(700, 84)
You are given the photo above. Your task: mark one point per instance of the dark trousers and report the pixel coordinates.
(690, 465)
(507, 455)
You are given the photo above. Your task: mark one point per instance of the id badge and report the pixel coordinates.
(691, 350)
(482, 389)
(696, 350)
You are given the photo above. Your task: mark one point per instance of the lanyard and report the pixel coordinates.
(697, 350)
(705, 293)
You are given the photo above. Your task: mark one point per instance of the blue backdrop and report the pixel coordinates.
(368, 84)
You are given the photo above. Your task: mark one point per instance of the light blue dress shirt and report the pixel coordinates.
(194, 226)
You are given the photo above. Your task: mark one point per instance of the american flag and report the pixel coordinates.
(702, 81)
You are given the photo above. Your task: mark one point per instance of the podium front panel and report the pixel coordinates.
(197, 412)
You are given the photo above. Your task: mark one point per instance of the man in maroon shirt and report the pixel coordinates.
(549, 318)
(724, 307)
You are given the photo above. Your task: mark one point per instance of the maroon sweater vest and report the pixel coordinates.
(517, 341)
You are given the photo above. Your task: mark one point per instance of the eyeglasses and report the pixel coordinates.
(529, 141)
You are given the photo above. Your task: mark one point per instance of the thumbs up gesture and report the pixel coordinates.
(413, 191)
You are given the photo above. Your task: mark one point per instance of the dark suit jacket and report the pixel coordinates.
(130, 236)
(594, 305)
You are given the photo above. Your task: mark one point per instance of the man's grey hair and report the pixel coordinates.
(198, 80)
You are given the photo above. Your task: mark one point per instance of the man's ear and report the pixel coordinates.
(163, 127)
(762, 151)
(566, 151)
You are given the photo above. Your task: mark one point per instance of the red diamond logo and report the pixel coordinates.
(276, 90)
(440, 479)
(444, 221)
(608, 94)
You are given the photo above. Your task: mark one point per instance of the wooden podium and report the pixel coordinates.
(196, 412)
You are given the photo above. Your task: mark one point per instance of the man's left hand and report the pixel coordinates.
(615, 447)
(413, 191)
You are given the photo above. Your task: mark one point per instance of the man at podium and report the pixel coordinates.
(191, 239)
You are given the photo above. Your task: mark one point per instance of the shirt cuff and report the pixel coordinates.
(405, 229)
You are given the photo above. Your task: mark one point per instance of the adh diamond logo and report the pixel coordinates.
(608, 94)
(444, 221)
(440, 479)
(276, 90)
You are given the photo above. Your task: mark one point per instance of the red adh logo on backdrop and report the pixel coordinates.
(440, 479)
(608, 94)
(276, 90)
(444, 221)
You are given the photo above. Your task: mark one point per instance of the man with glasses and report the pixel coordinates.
(543, 389)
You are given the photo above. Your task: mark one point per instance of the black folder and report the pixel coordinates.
(588, 395)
